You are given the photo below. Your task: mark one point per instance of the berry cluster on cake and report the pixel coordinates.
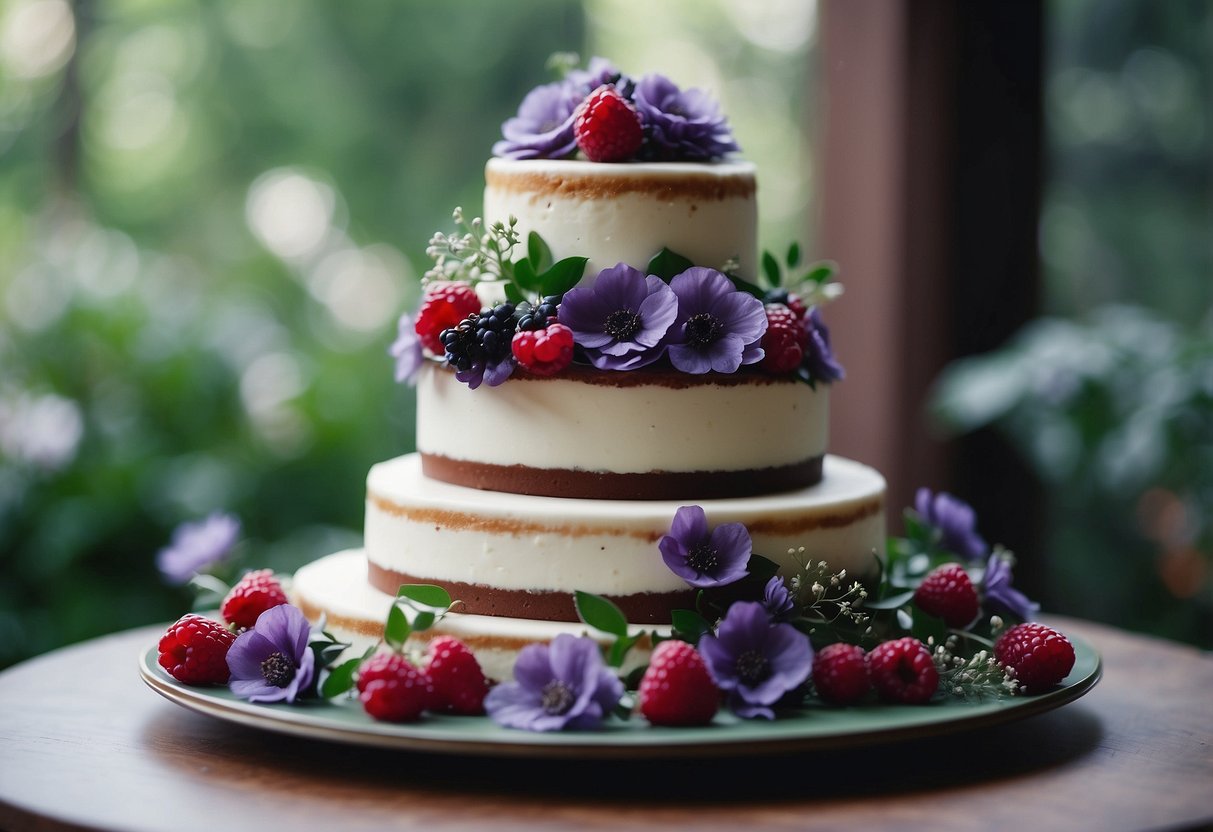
(622, 496)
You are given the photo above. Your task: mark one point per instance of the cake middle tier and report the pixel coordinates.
(523, 556)
(648, 434)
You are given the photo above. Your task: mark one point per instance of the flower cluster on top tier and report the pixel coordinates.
(674, 124)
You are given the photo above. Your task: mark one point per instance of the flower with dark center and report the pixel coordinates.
(755, 659)
(621, 319)
(272, 662)
(998, 592)
(705, 557)
(680, 125)
(718, 327)
(954, 523)
(197, 546)
(564, 684)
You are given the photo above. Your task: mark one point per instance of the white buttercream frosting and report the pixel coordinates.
(437, 531)
(569, 424)
(628, 213)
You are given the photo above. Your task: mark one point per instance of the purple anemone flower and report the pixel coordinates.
(406, 349)
(600, 71)
(681, 126)
(954, 522)
(196, 546)
(756, 660)
(491, 373)
(272, 662)
(621, 319)
(718, 328)
(999, 594)
(564, 684)
(704, 557)
(819, 355)
(543, 128)
(777, 601)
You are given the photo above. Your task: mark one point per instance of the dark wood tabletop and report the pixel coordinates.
(85, 745)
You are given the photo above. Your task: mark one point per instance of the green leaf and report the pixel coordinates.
(513, 294)
(689, 624)
(820, 272)
(525, 276)
(667, 264)
(747, 287)
(562, 276)
(619, 650)
(793, 258)
(327, 652)
(427, 595)
(890, 603)
(763, 569)
(423, 621)
(397, 631)
(632, 680)
(600, 614)
(537, 252)
(340, 679)
(927, 626)
(770, 268)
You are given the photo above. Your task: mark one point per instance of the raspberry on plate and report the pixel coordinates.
(903, 671)
(948, 593)
(783, 342)
(252, 595)
(459, 683)
(840, 674)
(606, 126)
(194, 650)
(392, 689)
(1039, 656)
(446, 303)
(677, 688)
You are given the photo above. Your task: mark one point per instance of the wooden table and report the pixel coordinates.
(84, 744)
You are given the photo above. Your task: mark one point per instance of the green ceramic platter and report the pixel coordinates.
(809, 729)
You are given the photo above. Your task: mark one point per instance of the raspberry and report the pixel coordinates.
(783, 342)
(840, 674)
(444, 306)
(791, 301)
(480, 338)
(255, 593)
(677, 688)
(948, 593)
(393, 690)
(194, 651)
(544, 352)
(607, 127)
(1039, 656)
(903, 671)
(459, 683)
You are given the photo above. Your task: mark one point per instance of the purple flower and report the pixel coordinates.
(681, 126)
(621, 319)
(196, 546)
(818, 354)
(543, 128)
(560, 685)
(492, 373)
(777, 601)
(704, 557)
(406, 349)
(999, 593)
(954, 522)
(600, 71)
(272, 661)
(718, 327)
(756, 660)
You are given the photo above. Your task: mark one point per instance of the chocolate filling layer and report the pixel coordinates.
(476, 599)
(608, 485)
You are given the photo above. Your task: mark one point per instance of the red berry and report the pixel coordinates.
(194, 651)
(797, 306)
(903, 671)
(393, 690)
(544, 352)
(677, 688)
(783, 342)
(459, 683)
(840, 674)
(1039, 656)
(948, 593)
(446, 303)
(607, 127)
(255, 593)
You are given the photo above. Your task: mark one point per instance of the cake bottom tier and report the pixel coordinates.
(355, 612)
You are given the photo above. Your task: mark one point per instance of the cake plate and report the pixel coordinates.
(809, 729)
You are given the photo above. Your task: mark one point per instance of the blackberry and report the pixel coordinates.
(531, 318)
(481, 338)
